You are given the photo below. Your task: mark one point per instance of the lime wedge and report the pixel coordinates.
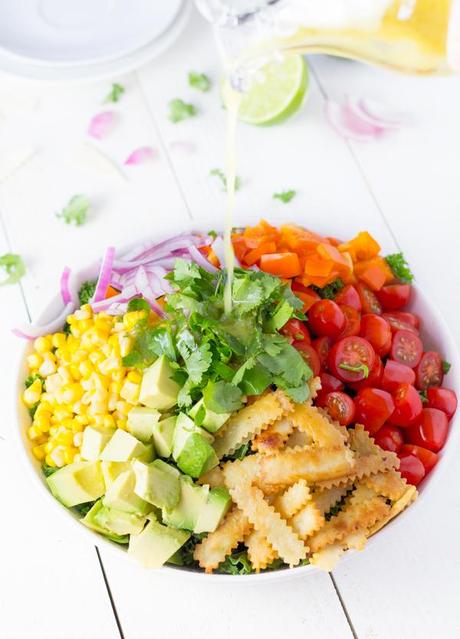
(277, 92)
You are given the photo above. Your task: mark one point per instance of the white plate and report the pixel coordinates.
(133, 33)
(436, 335)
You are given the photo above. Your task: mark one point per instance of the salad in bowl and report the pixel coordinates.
(283, 433)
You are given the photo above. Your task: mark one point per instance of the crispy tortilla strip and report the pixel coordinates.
(307, 521)
(298, 438)
(405, 500)
(214, 478)
(241, 471)
(292, 499)
(363, 510)
(326, 499)
(260, 552)
(328, 558)
(314, 385)
(269, 523)
(390, 484)
(217, 545)
(250, 421)
(274, 437)
(318, 426)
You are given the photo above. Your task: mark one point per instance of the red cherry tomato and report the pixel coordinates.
(406, 317)
(377, 331)
(326, 319)
(427, 457)
(408, 406)
(411, 468)
(389, 438)
(395, 374)
(373, 408)
(322, 346)
(444, 399)
(394, 296)
(296, 331)
(369, 301)
(306, 294)
(398, 322)
(430, 430)
(352, 321)
(310, 356)
(340, 407)
(407, 348)
(374, 379)
(351, 359)
(329, 383)
(429, 371)
(349, 296)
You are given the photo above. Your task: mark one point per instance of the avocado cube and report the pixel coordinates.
(208, 419)
(156, 544)
(158, 390)
(118, 522)
(111, 470)
(157, 483)
(163, 433)
(77, 483)
(192, 500)
(184, 428)
(141, 421)
(123, 447)
(121, 496)
(197, 456)
(215, 509)
(94, 441)
(90, 520)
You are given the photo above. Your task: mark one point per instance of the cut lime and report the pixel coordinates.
(277, 93)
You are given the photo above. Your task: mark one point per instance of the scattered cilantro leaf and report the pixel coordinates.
(139, 304)
(285, 196)
(48, 470)
(31, 379)
(150, 343)
(360, 368)
(13, 266)
(199, 81)
(330, 291)
(222, 397)
(116, 92)
(399, 266)
(423, 396)
(218, 173)
(236, 564)
(446, 366)
(180, 110)
(86, 291)
(76, 211)
(212, 234)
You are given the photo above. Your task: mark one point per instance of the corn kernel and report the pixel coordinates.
(69, 455)
(130, 392)
(34, 433)
(58, 456)
(39, 452)
(118, 376)
(42, 422)
(32, 394)
(34, 360)
(108, 421)
(77, 439)
(47, 368)
(58, 340)
(50, 461)
(96, 357)
(72, 393)
(135, 377)
(121, 423)
(123, 407)
(43, 344)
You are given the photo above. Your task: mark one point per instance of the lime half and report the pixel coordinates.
(277, 92)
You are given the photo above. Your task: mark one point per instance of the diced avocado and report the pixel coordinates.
(163, 433)
(118, 522)
(197, 456)
(77, 483)
(156, 544)
(121, 496)
(192, 500)
(157, 483)
(141, 421)
(184, 428)
(94, 441)
(111, 470)
(215, 509)
(123, 447)
(91, 521)
(158, 390)
(207, 418)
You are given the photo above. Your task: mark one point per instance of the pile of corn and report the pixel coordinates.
(80, 381)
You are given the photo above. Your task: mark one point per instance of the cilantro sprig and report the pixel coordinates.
(285, 196)
(14, 268)
(180, 110)
(86, 291)
(218, 173)
(199, 81)
(76, 211)
(398, 264)
(330, 291)
(116, 93)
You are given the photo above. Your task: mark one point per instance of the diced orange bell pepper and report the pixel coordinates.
(111, 292)
(254, 255)
(281, 264)
(376, 262)
(329, 252)
(264, 230)
(315, 265)
(299, 239)
(373, 277)
(239, 246)
(361, 247)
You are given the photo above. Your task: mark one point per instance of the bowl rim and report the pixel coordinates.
(20, 420)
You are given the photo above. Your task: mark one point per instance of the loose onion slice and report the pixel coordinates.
(101, 125)
(140, 156)
(347, 124)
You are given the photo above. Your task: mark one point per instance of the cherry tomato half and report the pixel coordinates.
(394, 296)
(352, 321)
(430, 430)
(296, 331)
(429, 371)
(340, 407)
(349, 296)
(408, 406)
(389, 438)
(369, 301)
(373, 408)
(407, 318)
(351, 359)
(427, 457)
(377, 331)
(310, 356)
(329, 383)
(444, 399)
(407, 348)
(411, 468)
(398, 322)
(322, 346)
(374, 379)
(395, 374)
(326, 319)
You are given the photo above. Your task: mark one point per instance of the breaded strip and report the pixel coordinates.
(405, 500)
(326, 499)
(293, 499)
(307, 521)
(274, 437)
(318, 426)
(260, 552)
(217, 545)
(214, 478)
(390, 484)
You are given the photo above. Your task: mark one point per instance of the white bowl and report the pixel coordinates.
(435, 334)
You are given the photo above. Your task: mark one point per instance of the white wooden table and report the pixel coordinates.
(405, 189)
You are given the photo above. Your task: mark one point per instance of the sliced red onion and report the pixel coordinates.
(200, 259)
(149, 252)
(126, 294)
(140, 156)
(142, 284)
(375, 113)
(66, 293)
(101, 125)
(347, 124)
(105, 274)
(33, 331)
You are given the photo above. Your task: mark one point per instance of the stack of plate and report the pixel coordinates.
(74, 40)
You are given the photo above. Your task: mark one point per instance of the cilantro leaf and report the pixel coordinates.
(180, 110)
(199, 81)
(423, 396)
(13, 266)
(218, 173)
(330, 291)
(86, 291)
(399, 266)
(285, 196)
(139, 304)
(115, 93)
(76, 211)
(282, 313)
(236, 564)
(150, 343)
(359, 368)
(446, 366)
(184, 270)
(198, 363)
(48, 470)
(222, 397)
